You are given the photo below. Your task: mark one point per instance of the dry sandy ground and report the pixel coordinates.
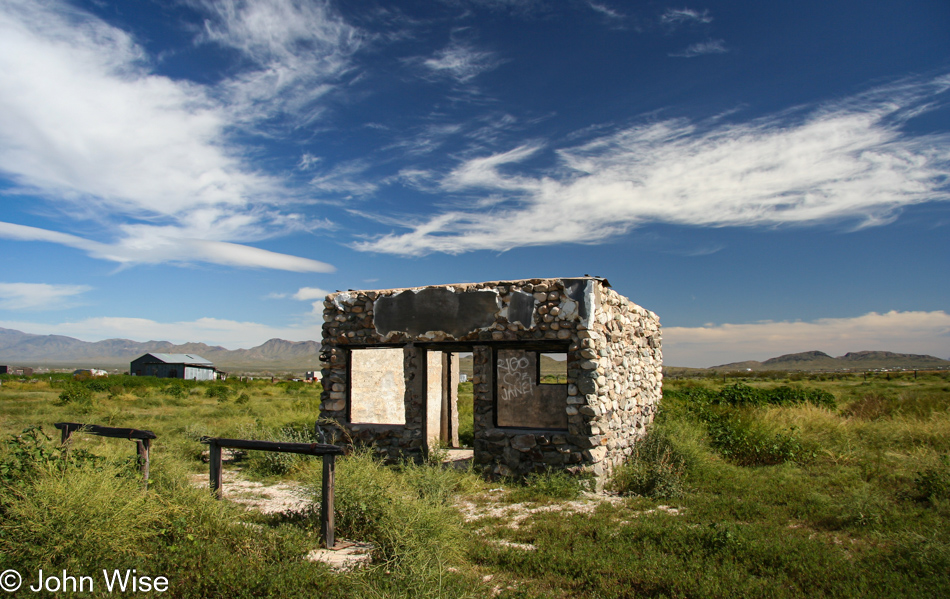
(513, 515)
(291, 497)
(267, 499)
(285, 497)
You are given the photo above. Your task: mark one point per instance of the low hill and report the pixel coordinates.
(862, 360)
(57, 351)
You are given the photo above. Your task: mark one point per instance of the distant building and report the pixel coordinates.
(311, 376)
(92, 372)
(175, 366)
(463, 378)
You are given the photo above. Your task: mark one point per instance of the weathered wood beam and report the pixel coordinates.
(301, 448)
(104, 431)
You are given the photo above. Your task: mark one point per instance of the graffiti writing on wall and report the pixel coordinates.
(515, 375)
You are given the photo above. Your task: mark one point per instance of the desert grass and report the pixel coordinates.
(853, 501)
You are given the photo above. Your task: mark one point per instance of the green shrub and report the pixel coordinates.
(734, 431)
(740, 395)
(220, 392)
(933, 484)
(556, 485)
(31, 451)
(24, 453)
(746, 442)
(81, 516)
(176, 390)
(242, 399)
(98, 384)
(655, 469)
(407, 518)
(77, 394)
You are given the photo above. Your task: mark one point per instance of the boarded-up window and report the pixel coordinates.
(522, 401)
(377, 386)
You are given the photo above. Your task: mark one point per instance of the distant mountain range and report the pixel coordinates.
(57, 351)
(861, 360)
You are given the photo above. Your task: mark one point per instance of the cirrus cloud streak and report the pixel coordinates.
(850, 161)
(171, 246)
(38, 296)
(88, 125)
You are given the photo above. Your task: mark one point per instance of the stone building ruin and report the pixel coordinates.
(391, 371)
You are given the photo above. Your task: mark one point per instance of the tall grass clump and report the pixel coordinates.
(218, 391)
(551, 485)
(732, 418)
(83, 516)
(656, 469)
(268, 463)
(933, 484)
(76, 394)
(79, 517)
(75, 509)
(405, 512)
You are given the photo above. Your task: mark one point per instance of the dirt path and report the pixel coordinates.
(267, 499)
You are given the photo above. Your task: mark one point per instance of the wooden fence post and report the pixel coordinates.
(143, 451)
(65, 440)
(142, 438)
(327, 452)
(326, 502)
(214, 461)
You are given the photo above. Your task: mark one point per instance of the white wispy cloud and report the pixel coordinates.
(903, 332)
(429, 138)
(86, 124)
(307, 161)
(299, 47)
(346, 178)
(848, 161)
(231, 334)
(676, 16)
(306, 294)
(154, 246)
(605, 10)
(461, 62)
(701, 48)
(38, 296)
(310, 293)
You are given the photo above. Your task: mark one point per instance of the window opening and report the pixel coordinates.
(552, 368)
(377, 386)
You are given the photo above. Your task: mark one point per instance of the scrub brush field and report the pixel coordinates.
(780, 488)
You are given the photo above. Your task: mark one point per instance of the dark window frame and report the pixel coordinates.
(538, 348)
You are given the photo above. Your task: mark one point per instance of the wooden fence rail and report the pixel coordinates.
(143, 439)
(326, 451)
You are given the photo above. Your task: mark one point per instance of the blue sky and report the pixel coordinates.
(768, 177)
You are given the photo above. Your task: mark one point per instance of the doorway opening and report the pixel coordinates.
(449, 402)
